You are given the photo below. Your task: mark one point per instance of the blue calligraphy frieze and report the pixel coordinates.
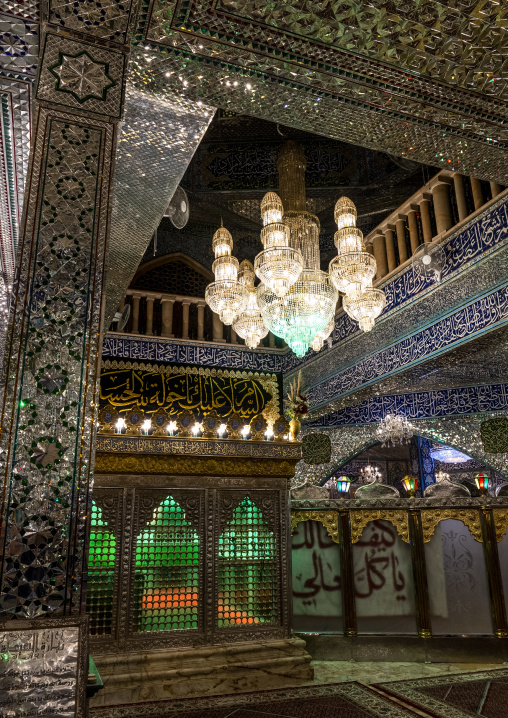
(144, 349)
(457, 401)
(476, 317)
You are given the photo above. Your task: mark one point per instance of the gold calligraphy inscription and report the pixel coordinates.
(500, 522)
(329, 519)
(360, 519)
(150, 388)
(469, 517)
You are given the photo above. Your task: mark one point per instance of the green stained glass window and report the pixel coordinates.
(166, 583)
(101, 574)
(247, 572)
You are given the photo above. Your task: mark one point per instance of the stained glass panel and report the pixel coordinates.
(247, 571)
(101, 575)
(166, 582)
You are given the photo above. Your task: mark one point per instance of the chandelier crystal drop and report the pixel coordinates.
(394, 429)
(249, 324)
(227, 297)
(323, 335)
(366, 307)
(278, 266)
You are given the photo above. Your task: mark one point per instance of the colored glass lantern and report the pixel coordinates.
(410, 484)
(482, 482)
(343, 484)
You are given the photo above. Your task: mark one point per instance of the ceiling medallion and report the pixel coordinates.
(82, 77)
(295, 300)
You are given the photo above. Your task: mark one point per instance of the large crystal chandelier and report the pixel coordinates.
(308, 306)
(249, 324)
(394, 429)
(278, 266)
(353, 269)
(226, 296)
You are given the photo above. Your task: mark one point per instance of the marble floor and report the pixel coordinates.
(376, 672)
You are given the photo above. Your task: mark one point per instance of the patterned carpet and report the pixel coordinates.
(460, 695)
(482, 693)
(341, 700)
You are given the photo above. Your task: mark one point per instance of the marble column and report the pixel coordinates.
(495, 189)
(167, 316)
(460, 195)
(401, 239)
(478, 198)
(201, 321)
(185, 318)
(379, 247)
(49, 407)
(390, 250)
(135, 313)
(149, 315)
(413, 230)
(218, 329)
(426, 221)
(442, 207)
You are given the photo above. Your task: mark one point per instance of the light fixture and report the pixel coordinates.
(309, 305)
(120, 425)
(226, 296)
(269, 433)
(323, 335)
(246, 431)
(366, 307)
(448, 455)
(482, 482)
(171, 428)
(394, 429)
(353, 269)
(249, 324)
(343, 485)
(196, 430)
(410, 483)
(146, 426)
(278, 266)
(221, 431)
(370, 474)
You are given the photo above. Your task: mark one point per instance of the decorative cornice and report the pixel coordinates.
(360, 519)
(329, 519)
(469, 518)
(192, 465)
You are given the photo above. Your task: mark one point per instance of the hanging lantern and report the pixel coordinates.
(410, 484)
(249, 324)
(226, 296)
(482, 482)
(343, 485)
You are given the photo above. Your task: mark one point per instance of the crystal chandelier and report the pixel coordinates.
(353, 269)
(370, 474)
(226, 296)
(394, 429)
(249, 324)
(308, 307)
(278, 266)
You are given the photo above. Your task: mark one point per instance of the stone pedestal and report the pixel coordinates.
(210, 670)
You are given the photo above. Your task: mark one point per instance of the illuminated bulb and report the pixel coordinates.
(221, 431)
(120, 424)
(196, 429)
(245, 431)
(146, 426)
(269, 433)
(171, 428)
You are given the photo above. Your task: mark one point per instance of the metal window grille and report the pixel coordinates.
(101, 575)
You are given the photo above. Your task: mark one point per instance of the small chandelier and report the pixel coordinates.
(370, 474)
(394, 429)
(249, 324)
(365, 307)
(226, 296)
(278, 266)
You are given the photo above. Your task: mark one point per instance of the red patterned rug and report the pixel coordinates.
(340, 700)
(460, 695)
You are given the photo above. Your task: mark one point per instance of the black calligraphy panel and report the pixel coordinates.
(151, 391)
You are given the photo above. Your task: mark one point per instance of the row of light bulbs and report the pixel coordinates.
(293, 301)
(196, 430)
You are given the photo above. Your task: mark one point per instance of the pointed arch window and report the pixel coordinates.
(247, 569)
(166, 582)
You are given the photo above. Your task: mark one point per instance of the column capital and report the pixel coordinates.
(165, 298)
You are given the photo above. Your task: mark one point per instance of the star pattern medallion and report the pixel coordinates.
(82, 77)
